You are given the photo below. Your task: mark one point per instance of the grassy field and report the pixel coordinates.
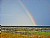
(33, 35)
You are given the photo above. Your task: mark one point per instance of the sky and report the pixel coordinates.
(13, 12)
(40, 10)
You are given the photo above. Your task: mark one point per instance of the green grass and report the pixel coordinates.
(42, 33)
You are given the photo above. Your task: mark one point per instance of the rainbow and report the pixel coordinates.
(28, 13)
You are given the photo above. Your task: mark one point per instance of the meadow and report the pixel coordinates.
(33, 35)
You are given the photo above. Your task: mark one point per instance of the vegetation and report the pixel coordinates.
(25, 33)
(34, 35)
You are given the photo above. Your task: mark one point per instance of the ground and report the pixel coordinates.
(34, 35)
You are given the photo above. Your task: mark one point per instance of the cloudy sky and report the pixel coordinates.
(13, 12)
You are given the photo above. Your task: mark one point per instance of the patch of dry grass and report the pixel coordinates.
(9, 35)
